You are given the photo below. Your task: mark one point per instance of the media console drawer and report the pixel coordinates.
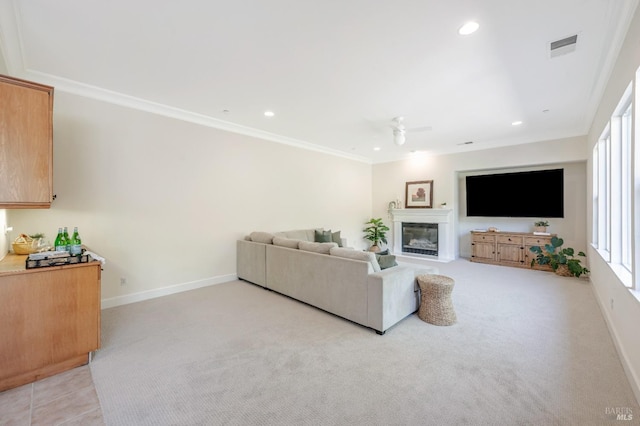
(510, 239)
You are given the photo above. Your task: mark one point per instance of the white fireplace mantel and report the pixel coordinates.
(444, 219)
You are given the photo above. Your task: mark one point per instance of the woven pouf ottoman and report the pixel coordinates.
(436, 306)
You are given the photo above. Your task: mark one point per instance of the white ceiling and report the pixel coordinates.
(334, 72)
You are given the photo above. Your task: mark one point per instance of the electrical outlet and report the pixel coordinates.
(123, 281)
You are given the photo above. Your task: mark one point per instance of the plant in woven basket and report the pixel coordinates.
(376, 232)
(561, 260)
(540, 226)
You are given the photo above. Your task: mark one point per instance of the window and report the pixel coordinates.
(626, 185)
(613, 186)
(602, 201)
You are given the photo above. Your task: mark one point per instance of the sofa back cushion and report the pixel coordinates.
(299, 234)
(261, 237)
(323, 248)
(286, 242)
(366, 256)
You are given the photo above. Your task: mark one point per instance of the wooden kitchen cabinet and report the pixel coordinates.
(26, 144)
(507, 248)
(49, 319)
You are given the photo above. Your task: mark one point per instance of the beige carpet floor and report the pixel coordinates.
(529, 348)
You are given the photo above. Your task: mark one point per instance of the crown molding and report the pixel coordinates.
(112, 97)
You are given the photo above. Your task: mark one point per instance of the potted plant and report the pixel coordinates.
(376, 232)
(561, 260)
(540, 226)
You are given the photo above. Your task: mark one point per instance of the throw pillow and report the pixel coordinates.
(323, 236)
(386, 261)
(335, 237)
(383, 253)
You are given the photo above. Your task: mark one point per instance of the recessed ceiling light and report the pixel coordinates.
(269, 114)
(516, 123)
(377, 148)
(469, 28)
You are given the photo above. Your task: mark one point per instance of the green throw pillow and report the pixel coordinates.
(335, 237)
(386, 260)
(323, 236)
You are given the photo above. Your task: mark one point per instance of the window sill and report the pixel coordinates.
(623, 274)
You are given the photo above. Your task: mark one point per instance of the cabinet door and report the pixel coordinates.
(483, 251)
(509, 249)
(529, 256)
(46, 318)
(509, 254)
(26, 144)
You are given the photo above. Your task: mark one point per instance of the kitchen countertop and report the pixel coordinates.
(13, 264)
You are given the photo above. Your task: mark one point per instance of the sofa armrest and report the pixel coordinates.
(392, 295)
(251, 262)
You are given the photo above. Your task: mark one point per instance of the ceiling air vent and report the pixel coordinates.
(562, 47)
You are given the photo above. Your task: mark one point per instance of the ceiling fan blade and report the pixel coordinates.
(420, 129)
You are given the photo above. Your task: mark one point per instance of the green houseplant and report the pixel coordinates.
(561, 260)
(376, 232)
(541, 226)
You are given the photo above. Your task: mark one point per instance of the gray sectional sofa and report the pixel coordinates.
(343, 281)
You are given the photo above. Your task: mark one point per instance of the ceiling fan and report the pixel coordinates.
(400, 131)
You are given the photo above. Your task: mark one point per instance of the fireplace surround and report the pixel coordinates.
(440, 218)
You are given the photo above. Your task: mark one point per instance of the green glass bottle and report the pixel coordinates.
(76, 243)
(67, 239)
(60, 244)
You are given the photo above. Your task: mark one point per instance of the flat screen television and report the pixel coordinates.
(536, 194)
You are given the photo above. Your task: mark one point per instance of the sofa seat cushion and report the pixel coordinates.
(286, 242)
(323, 248)
(349, 253)
(261, 237)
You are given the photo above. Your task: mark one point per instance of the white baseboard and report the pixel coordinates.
(165, 291)
(634, 380)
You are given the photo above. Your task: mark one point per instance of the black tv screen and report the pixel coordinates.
(538, 194)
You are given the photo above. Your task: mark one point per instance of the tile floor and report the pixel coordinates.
(67, 399)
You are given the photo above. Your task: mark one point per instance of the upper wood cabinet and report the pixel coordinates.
(26, 144)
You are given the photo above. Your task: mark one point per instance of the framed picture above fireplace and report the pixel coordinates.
(419, 195)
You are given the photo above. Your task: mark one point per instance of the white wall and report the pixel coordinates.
(165, 200)
(389, 182)
(624, 317)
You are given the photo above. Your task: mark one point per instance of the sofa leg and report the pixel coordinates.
(381, 333)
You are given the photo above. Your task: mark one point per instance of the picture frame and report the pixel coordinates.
(419, 195)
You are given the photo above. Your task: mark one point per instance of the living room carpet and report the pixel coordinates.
(529, 348)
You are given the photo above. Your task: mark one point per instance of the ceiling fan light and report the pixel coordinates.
(399, 136)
